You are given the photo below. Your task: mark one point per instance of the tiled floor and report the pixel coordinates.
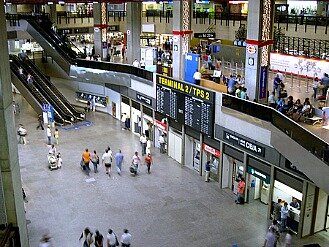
(172, 206)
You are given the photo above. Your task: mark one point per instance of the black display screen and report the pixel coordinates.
(186, 103)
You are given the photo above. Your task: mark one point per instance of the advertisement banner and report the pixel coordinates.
(307, 67)
(191, 65)
(263, 82)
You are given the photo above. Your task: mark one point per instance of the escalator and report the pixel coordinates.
(41, 91)
(32, 95)
(56, 93)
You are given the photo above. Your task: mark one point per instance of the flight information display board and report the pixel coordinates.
(186, 103)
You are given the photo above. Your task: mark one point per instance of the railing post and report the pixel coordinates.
(292, 81)
(298, 81)
(307, 83)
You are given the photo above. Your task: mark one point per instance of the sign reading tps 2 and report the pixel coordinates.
(247, 145)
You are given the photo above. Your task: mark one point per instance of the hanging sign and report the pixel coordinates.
(211, 150)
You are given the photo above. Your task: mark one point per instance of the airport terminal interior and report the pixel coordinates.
(164, 123)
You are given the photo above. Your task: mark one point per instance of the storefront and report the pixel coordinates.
(160, 128)
(136, 120)
(289, 188)
(210, 152)
(259, 178)
(113, 103)
(232, 168)
(193, 158)
(125, 112)
(175, 141)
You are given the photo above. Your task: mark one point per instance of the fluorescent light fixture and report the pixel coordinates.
(61, 2)
(50, 3)
(73, 76)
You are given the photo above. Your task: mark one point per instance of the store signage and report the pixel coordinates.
(251, 49)
(309, 67)
(263, 81)
(247, 145)
(113, 28)
(144, 99)
(148, 37)
(205, 35)
(211, 150)
(251, 170)
(161, 125)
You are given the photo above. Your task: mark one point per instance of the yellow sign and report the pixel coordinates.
(186, 88)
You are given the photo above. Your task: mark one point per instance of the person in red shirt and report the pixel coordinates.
(148, 161)
(241, 188)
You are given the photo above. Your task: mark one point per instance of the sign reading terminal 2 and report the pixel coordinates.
(186, 88)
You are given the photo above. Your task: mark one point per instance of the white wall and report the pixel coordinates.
(116, 98)
(321, 211)
(91, 88)
(143, 88)
(175, 147)
(308, 210)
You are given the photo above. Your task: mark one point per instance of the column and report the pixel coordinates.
(11, 200)
(181, 31)
(134, 25)
(259, 35)
(51, 9)
(100, 29)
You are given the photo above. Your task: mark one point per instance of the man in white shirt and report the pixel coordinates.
(22, 132)
(48, 134)
(197, 77)
(107, 161)
(136, 63)
(143, 142)
(125, 238)
(162, 143)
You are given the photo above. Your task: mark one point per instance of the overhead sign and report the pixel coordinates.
(243, 143)
(205, 35)
(113, 28)
(256, 173)
(144, 99)
(186, 104)
(211, 150)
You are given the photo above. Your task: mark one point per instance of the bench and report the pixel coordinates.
(317, 117)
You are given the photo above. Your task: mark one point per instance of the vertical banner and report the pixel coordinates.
(191, 65)
(263, 82)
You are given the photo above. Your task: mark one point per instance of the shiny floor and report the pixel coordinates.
(172, 206)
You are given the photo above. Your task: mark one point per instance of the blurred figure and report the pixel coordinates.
(22, 132)
(40, 122)
(98, 239)
(87, 237)
(148, 161)
(45, 241)
(119, 161)
(288, 239)
(56, 135)
(125, 238)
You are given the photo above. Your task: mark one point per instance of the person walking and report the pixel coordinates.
(136, 160)
(87, 237)
(86, 161)
(22, 132)
(98, 239)
(315, 87)
(56, 135)
(148, 161)
(40, 122)
(148, 146)
(95, 160)
(197, 77)
(288, 239)
(118, 161)
(112, 239)
(284, 216)
(270, 239)
(277, 210)
(207, 168)
(48, 131)
(126, 238)
(107, 161)
(143, 142)
(162, 143)
(240, 192)
(45, 241)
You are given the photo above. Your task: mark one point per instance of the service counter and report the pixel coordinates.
(213, 85)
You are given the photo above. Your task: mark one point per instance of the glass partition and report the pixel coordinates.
(303, 137)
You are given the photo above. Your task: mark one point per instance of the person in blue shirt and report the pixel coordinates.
(294, 203)
(207, 168)
(325, 83)
(231, 85)
(119, 161)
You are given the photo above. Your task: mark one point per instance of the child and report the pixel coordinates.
(59, 160)
(56, 135)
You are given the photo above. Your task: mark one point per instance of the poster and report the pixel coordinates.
(307, 67)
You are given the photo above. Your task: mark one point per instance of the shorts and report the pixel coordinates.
(107, 165)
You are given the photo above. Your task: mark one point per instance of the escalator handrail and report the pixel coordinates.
(36, 94)
(43, 90)
(54, 90)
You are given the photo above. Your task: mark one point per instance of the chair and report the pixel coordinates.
(323, 102)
